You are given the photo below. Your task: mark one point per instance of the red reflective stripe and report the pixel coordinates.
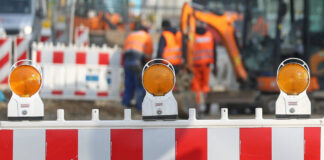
(79, 32)
(6, 144)
(38, 56)
(23, 56)
(58, 57)
(255, 143)
(19, 40)
(126, 144)
(2, 41)
(4, 60)
(62, 144)
(103, 94)
(191, 144)
(58, 34)
(57, 92)
(312, 136)
(44, 38)
(5, 80)
(80, 93)
(104, 58)
(81, 58)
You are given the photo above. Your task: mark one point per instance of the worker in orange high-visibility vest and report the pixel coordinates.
(137, 50)
(169, 47)
(204, 54)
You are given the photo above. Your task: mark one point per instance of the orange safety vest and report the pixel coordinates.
(136, 41)
(172, 50)
(203, 49)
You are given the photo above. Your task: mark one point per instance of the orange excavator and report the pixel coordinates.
(255, 88)
(223, 24)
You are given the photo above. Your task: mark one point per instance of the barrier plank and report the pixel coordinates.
(191, 144)
(23, 139)
(287, 143)
(126, 144)
(62, 144)
(94, 144)
(255, 143)
(159, 143)
(312, 136)
(6, 144)
(224, 143)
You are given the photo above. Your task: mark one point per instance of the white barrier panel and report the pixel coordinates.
(192, 139)
(79, 72)
(21, 47)
(81, 36)
(5, 59)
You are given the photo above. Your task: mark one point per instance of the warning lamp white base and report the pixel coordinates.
(159, 107)
(31, 108)
(293, 106)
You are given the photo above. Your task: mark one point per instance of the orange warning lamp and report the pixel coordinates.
(158, 78)
(25, 80)
(293, 78)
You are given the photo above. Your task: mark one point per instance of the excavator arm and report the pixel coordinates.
(223, 25)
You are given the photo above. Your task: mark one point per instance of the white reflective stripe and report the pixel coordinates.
(202, 39)
(48, 74)
(5, 48)
(103, 77)
(23, 46)
(70, 74)
(94, 144)
(203, 51)
(202, 57)
(159, 143)
(92, 57)
(29, 144)
(287, 143)
(81, 72)
(175, 49)
(136, 43)
(175, 57)
(58, 76)
(224, 143)
(4, 71)
(69, 55)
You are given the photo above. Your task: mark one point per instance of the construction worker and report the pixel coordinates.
(169, 47)
(204, 54)
(137, 50)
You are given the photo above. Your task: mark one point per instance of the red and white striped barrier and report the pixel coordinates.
(60, 33)
(81, 36)
(79, 72)
(21, 47)
(192, 139)
(5, 59)
(45, 35)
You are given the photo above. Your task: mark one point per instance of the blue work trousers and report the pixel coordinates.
(133, 84)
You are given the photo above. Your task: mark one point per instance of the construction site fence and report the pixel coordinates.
(191, 139)
(79, 72)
